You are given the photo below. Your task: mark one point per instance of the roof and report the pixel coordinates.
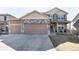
(33, 12)
(8, 15)
(57, 9)
(74, 20)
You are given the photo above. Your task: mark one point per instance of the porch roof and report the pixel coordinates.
(66, 22)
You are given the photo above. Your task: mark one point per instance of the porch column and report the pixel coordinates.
(57, 26)
(70, 28)
(53, 28)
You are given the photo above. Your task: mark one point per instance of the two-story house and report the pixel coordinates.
(4, 22)
(58, 20)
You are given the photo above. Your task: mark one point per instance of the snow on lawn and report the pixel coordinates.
(4, 47)
(68, 46)
(22, 42)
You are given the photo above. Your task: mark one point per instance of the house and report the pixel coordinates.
(52, 21)
(76, 22)
(58, 20)
(4, 22)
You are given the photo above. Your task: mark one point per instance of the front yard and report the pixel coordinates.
(65, 42)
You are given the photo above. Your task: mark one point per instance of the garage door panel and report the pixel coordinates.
(35, 28)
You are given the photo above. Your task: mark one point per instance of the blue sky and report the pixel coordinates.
(20, 11)
(20, 7)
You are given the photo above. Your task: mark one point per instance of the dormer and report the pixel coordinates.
(57, 14)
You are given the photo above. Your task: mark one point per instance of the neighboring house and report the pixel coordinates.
(76, 22)
(52, 21)
(4, 24)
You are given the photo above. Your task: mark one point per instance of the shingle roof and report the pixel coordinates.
(31, 13)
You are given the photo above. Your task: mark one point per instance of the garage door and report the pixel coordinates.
(35, 28)
(15, 29)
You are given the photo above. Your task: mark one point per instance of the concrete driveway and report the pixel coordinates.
(22, 42)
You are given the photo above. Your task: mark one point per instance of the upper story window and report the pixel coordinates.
(50, 16)
(4, 18)
(1, 18)
(57, 17)
(63, 17)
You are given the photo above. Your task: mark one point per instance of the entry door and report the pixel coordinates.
(52, 28)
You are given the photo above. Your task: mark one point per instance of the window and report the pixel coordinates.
(55, 16)
(62, 17)
(1, 18)
(50, 16)
(5, 18)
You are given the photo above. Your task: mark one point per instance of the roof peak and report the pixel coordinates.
(57, 9)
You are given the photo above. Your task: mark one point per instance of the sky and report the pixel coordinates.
(20, 11)
(19, 8)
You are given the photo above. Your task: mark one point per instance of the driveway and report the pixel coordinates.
(22, 42)
(4, 47)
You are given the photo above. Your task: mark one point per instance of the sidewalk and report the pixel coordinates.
(52, 50)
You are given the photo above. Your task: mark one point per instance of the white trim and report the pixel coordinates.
(22, 28)
(9, 27)
(48, 29)
(15, 24)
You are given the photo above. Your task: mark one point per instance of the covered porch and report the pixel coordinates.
(59, 26)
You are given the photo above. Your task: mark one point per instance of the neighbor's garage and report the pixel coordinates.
(15, 26)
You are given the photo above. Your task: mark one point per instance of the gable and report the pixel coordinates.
(34, 15)
(56, 11)
(10, 17)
